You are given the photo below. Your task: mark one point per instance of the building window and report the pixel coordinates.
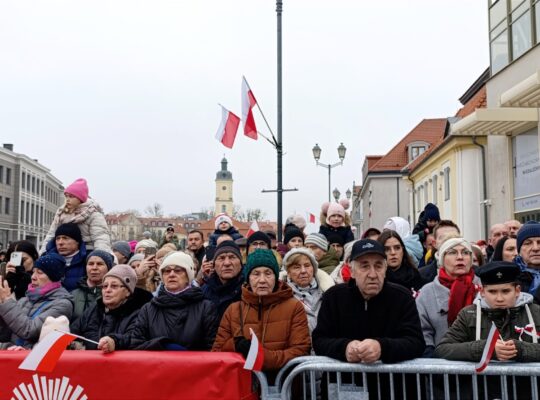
(435, 188)
(223, 208)
(1, 174)
(447, 183)
(426, 193)
(416, 151)
(7, 205)
(42, 188)
(27, 182)
(22, 212)
(8, 176)
(33, 184)
(27, 219)
(23, 180)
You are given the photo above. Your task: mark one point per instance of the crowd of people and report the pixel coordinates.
(391, 295)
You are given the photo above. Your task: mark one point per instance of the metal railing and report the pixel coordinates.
(323, 377)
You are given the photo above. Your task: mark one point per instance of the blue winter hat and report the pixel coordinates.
(431, 212)
(53, 265)
(528, 230)
(106, 257)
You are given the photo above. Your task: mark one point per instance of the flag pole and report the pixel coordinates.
(279, 148)
(77, 336)
(264, 118)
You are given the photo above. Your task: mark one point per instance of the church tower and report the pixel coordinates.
(224, 193)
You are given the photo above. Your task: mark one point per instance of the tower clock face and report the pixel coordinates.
(224, 188)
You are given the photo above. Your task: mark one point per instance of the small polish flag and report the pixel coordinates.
(255, 357)
(227, 129)
(254, 227)
(248, 102)
(45, 354)
(488, 350)
(311, 218)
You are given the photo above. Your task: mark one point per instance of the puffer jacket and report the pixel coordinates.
(22, 319)
(186, 319)
(91, 221)
(460, 342)
(329, 261)
(232, 231)
(97, 322)
(223, 295)
(84, 297)
(76, 270)
(278, 320)
(344, 231)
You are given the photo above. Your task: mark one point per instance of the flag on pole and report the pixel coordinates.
(488, 350)
(311, 218)
(254, 227)
(248, 102)
(255, 357)
(227, 129)
(45, 354)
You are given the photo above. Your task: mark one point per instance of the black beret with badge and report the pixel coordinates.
(497, 272)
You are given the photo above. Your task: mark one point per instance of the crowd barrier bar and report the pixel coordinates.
(421, 368)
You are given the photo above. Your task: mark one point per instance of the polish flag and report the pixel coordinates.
(255, 357)
(254, 227)
(488, 350)
(227, 129)
(45, 354)
(248, 102)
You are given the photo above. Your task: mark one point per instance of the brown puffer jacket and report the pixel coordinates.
(278, 320)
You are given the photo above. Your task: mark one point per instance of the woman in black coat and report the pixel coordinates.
(179, 318)
(114, 314)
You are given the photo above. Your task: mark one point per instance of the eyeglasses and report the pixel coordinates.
(259, 243)
(177, 271)
(112, 286)
(462, 253)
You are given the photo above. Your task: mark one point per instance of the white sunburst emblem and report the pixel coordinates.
(48, 389)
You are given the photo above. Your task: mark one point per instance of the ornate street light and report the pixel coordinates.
(317, 155)
(336, 194)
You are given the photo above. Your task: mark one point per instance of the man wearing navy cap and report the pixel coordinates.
(512, 311)
(368, 319)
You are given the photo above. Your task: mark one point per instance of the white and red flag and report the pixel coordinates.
(255, 357)
(227, 129)
(254, 227)
(311, 218)
(45, 354)
(248, 102)
(488, 350)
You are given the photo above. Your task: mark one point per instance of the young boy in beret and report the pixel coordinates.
(501, 302)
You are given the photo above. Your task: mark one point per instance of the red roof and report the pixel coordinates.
(479, 100)
(429, 131)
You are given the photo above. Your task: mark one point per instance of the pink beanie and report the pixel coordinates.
(334, 209)
(78, 189)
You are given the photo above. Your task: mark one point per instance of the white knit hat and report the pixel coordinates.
(449, 244)
(222, 218)
(304, 251)
(179, 259)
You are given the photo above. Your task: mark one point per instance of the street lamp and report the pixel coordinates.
(336, 194)
(317, 155)
(348, 193)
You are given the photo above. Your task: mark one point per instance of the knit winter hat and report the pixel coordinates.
(528, 230)
(145, 243)
(449, 244)
(122, 247)
(78, 189)
(228, 246)
(106, 257)
(431, 212)
(222, 218)
(53, 265)
(126, 274)
(336, 238)
(261, 258)
(179, 259)
(293, 232)
(334, 209)
(259, 236)
(70, 229)
(136, 257)
(318, 239)
(306, 252)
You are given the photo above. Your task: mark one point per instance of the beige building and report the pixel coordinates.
(224, 190)
(124, 227)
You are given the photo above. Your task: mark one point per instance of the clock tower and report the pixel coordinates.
(224, 190)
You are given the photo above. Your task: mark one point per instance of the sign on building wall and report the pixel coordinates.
(526, 165)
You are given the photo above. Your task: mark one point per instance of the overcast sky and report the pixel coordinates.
(125, 93)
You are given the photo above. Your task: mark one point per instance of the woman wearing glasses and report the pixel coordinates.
(455, 287)
(114, 314)
(179, 318)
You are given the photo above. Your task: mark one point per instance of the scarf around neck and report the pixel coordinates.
(462, 292)
(36, 293)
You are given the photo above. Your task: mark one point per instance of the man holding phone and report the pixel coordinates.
(18, 270)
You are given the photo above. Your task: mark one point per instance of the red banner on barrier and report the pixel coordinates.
(128, 375)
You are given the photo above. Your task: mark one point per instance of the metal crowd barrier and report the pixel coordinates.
(324, 378)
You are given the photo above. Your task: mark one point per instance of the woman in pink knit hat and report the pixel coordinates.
(86, 213)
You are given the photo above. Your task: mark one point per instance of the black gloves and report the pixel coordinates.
(242, 345)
